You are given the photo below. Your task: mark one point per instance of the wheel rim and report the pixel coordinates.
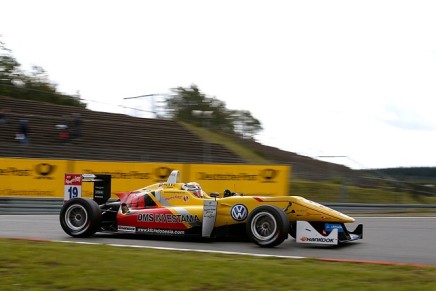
(264, 226)
(76, 218)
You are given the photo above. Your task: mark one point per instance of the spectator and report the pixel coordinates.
(64, 131)
(23, 132)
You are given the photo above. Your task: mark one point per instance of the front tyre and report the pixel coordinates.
(267, 226)
(80, 217)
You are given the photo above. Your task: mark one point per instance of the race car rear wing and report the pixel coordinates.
(73, 186)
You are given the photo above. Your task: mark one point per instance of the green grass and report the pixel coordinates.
(213, 137)
(321, 191)
(326, 191)
(28, 265)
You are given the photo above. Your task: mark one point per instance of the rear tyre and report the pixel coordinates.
(267, 226)
(80, 217)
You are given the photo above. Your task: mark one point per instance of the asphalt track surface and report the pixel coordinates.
(402, 240)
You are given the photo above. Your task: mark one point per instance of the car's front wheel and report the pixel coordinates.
(80, 217)
(267, 226)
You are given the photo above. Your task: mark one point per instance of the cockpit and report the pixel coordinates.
(194, 188)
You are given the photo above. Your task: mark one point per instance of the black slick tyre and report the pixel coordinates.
(267, 226)
(80, 217)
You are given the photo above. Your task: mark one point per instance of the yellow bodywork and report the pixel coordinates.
(174, 198)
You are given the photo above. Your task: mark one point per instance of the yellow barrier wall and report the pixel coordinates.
(268, 180)
(32, 177)
(45, 178)
(127, 176)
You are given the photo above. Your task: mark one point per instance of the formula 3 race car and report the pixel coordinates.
(174, 208)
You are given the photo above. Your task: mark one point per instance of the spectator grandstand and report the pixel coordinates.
(105, 136)
(120, 137)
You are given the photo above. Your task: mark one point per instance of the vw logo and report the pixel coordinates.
(239, 212)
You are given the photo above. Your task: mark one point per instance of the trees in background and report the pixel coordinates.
(192, 106)
(16, 83)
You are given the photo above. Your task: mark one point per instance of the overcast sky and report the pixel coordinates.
(351, 79)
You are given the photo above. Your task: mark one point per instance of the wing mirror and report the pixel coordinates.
(214, 194)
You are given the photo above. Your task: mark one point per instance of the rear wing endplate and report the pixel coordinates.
(73, 186)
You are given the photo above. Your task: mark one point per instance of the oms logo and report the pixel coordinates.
(44, 171)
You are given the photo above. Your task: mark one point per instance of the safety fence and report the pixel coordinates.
(47, 206)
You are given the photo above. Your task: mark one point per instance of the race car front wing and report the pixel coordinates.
(326, 233)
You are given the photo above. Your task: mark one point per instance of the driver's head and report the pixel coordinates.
(195, 188)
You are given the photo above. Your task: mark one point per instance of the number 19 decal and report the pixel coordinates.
(73, 192)
(72, 186)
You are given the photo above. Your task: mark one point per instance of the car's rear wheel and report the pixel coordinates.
(80, 217)
(267, 226)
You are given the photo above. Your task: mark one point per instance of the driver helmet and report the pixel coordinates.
(194, 188)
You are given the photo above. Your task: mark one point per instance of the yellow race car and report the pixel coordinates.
(175, 208)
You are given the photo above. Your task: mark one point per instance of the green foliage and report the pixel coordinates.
(16, 83)
(408, 171)
(245, 124)
(327, 191)
(417, 180)
(192, 106)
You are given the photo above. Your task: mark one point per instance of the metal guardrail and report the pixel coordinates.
(34, 206)
(19, 206)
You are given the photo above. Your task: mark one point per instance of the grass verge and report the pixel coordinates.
(212, 137)
(321, 191)
(30, 265)
(325, 191)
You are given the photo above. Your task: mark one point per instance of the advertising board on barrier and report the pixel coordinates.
(32, 177)
(265, 180)
(126, 176)
(45, 178)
